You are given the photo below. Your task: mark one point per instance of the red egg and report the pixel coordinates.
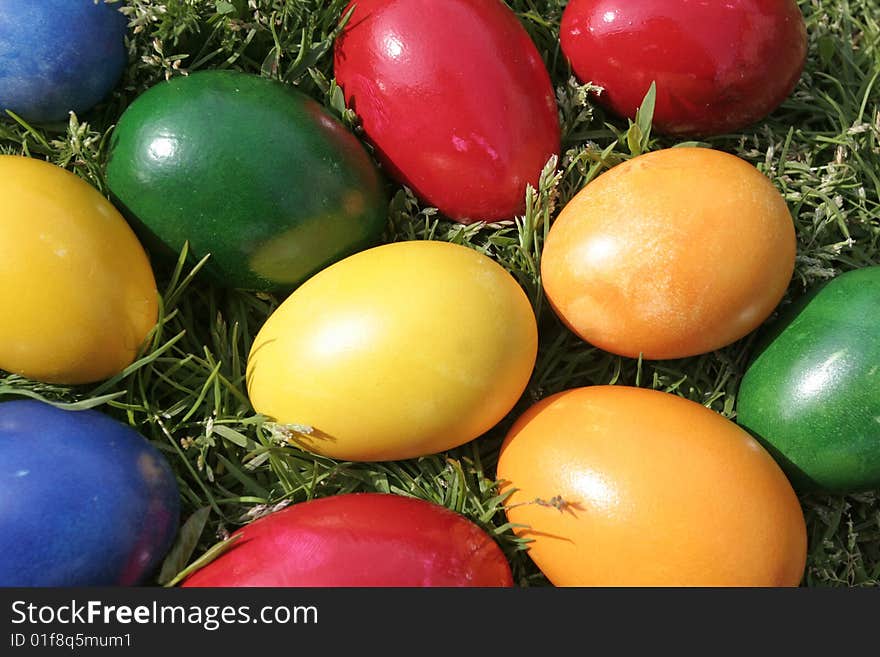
(719, 66)
(366, 539)
(455, 98)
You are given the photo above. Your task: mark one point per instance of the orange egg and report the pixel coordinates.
(625, 486)
(672, 254)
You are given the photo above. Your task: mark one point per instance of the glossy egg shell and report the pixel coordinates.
(812, 394)
(656, 490)
(719, 66)
(248, 170)
(456, 99)
(84, 499)
(365, 539)
(400, 351)
(671, 254)
(78, 293)
(58, 56)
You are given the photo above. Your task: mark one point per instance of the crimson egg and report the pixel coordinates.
(719, 66)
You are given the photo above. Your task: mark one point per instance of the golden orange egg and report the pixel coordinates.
(622, 486)
(672, 254)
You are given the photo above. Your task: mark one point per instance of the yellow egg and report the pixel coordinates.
(400, 351)
(77, 293)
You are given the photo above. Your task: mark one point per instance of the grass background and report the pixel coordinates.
(187, 393)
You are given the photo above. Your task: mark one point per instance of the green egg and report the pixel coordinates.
(248, 170)
(812, 395)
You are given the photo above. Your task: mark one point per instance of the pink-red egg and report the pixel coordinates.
(455, 98)
(366, 539)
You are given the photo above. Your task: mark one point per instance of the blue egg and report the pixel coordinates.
(58, 55)
(84, 499)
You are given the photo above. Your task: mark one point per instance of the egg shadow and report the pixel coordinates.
(773, 329)
(570, 508)
(160, 252)
(251, 370)
(305, 440)
(799, 479)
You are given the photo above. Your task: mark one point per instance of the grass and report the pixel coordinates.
(187, 394)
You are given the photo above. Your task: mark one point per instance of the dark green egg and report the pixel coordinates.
(248, 170)
(812, 395)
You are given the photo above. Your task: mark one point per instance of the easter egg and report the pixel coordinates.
(622, 486)
(455, 98)
(84, 499)
(719, 66)
(360, 539)
(58, 56)
(812, 394)
(646, 260)
(249, 171)
(78, 293)
(400, 351)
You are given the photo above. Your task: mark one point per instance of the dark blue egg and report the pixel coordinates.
(84, 499)
(58, 55)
